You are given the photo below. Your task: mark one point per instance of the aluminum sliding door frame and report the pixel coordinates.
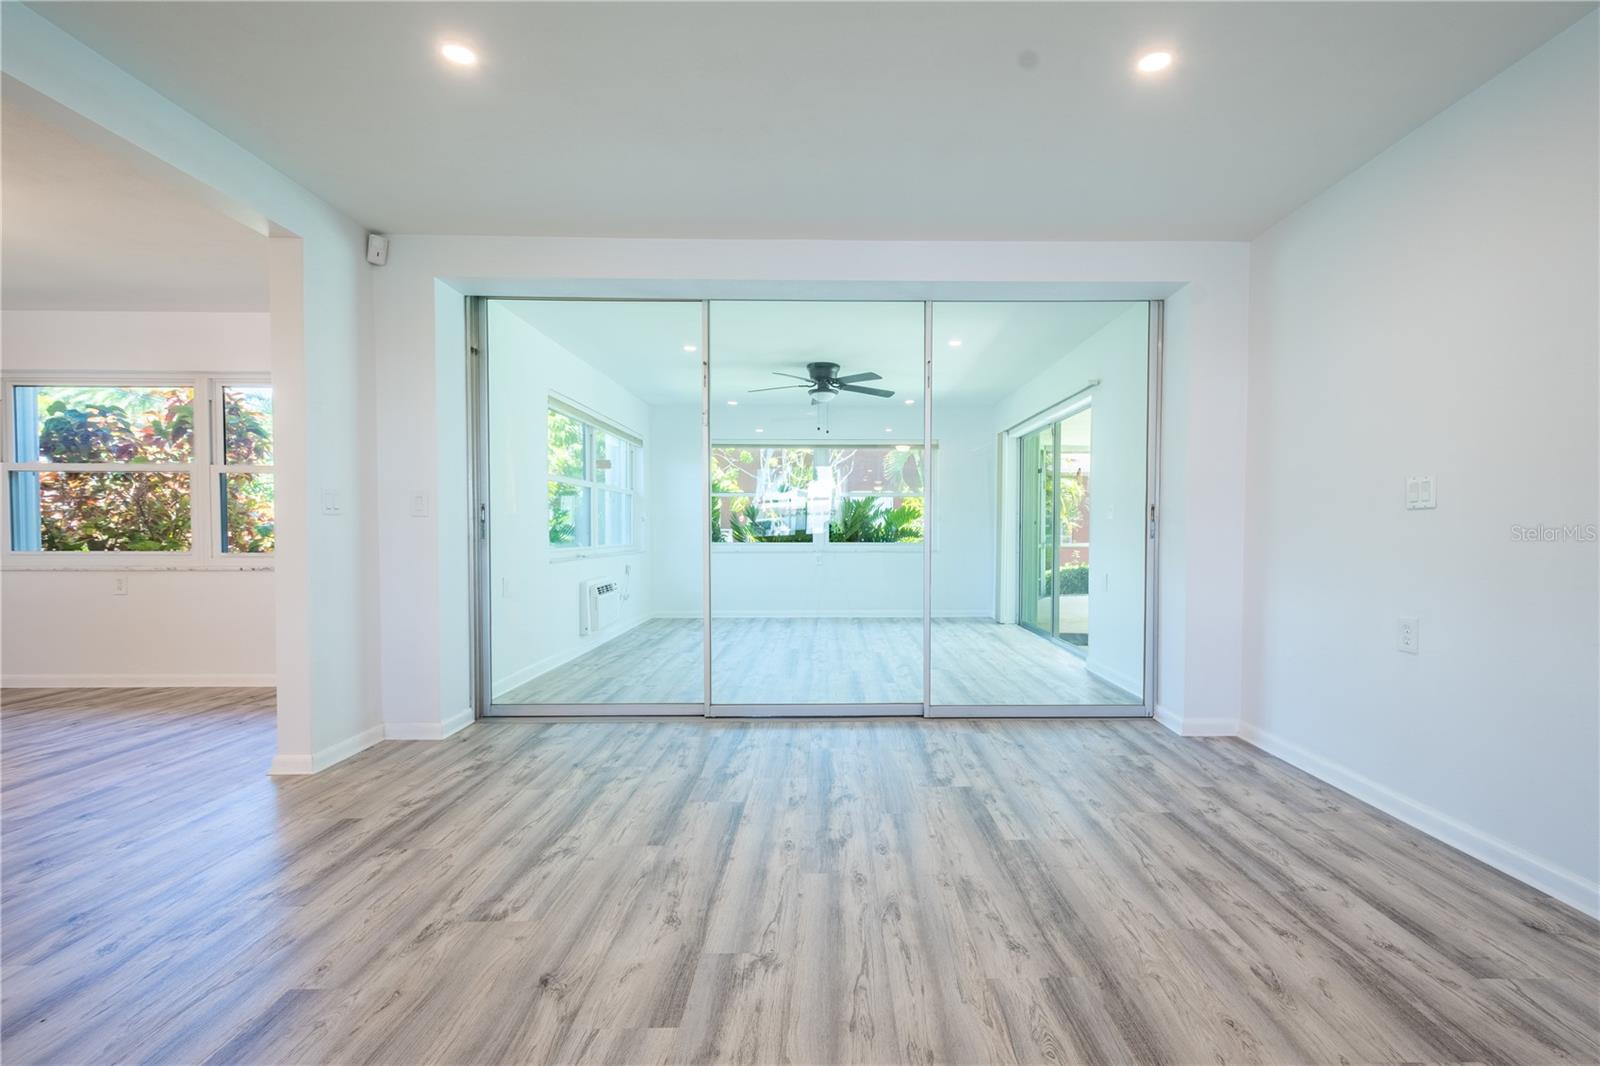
(478, 385)
(478, 515)
(1145, 708)
(480, 551)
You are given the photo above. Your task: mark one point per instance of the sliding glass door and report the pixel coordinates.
(1039, 591)
(589, 454)
(817, 507)
(761, 507)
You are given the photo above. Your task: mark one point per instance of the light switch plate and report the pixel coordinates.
(1419, 493)
(331, 503)
(419, 505)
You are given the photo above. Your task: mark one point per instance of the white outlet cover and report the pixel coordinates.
(1408, 636)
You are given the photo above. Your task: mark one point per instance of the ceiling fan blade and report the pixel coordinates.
(868, 376)
(775, 388)
(797, 377)
(866, 391)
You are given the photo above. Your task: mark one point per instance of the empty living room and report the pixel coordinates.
(799, 532)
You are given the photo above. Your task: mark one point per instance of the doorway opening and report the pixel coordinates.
(799, 508)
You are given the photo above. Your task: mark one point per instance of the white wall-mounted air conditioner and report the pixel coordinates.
(599, 606)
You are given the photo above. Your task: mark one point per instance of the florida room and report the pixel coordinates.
(837, 499)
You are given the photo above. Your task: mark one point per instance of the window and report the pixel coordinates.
(763, 495)
(879, 499)
(591, 474)
(842, 494)
(244, 477)
(101, 468)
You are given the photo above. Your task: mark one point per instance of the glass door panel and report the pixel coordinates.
(818, 484)
(1038, 592)
(592, 447)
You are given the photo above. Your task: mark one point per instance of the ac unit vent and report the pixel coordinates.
(599, 605)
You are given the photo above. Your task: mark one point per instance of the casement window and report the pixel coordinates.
(592, 473)
(109, 470)
(839, 495)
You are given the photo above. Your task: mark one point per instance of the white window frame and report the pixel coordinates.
(593, 424)
(205, 463)
(819, 538)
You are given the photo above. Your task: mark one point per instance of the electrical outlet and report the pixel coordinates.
(1407, 636)
(119, 585)
(419, 505)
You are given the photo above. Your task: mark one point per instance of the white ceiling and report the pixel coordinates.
(863, 120)
(641, 345)
(83, 229)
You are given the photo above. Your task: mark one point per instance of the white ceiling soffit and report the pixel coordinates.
(861, 120)
(641, 345)
(83, 229)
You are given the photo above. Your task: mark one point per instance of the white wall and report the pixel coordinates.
(322, 370)
(1435, 313)
(535, 588)
(1117, 356)
(112, 639)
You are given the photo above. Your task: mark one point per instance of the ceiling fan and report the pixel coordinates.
(824, 383)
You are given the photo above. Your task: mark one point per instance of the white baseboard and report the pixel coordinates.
(1563, 884)
(429, 730)
(139, 681)
(290, 765)
(1196, 727)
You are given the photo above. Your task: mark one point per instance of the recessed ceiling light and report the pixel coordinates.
(954, 342)
(910, 402)
(691, 347)
(459, 54)
(888, 429)
(733, 403)
(902, 447)
(760, 430)
(1154, 61)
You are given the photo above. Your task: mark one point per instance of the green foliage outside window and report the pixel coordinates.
(1073, 580)
(114, 511)
(248, 501)
(100, 511)
(870, 521)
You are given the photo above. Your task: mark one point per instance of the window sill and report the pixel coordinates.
(572, 555)
(15, 565)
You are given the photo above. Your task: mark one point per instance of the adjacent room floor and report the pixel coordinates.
(824, 660)
(742, 891)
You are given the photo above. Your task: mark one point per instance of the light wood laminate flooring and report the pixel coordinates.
(697, 891)
(823, 660)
